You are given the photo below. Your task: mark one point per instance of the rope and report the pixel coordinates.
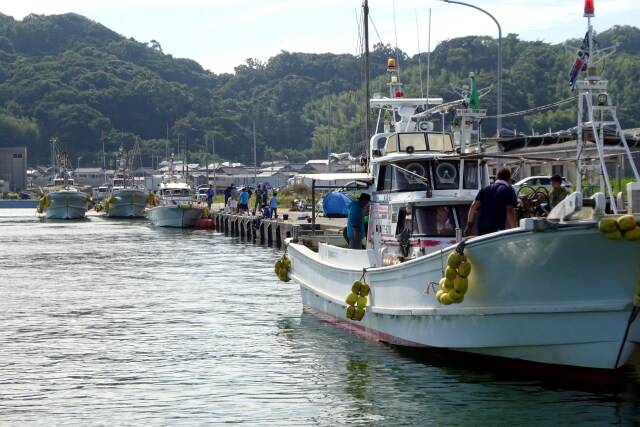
(531, 110)
(364, 272)
(632, 317)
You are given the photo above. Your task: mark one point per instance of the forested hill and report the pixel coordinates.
(68, 77)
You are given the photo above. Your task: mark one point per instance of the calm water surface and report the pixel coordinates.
(110, 322)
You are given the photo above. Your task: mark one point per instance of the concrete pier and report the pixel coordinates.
(273, 232)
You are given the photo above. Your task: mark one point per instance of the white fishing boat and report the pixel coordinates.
(64, 200)
(127, 200)
(552, 295)
(176, 206)
(66, 203)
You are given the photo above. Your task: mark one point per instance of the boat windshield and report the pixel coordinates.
(415, 175)
(432, 221)
(416, 141)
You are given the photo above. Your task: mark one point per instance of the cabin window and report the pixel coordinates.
(440, 142)
(391, 146)
(471, 175)
(435, 221)
(445, 175)
(416, 140)
(410, 176)
(385, 178)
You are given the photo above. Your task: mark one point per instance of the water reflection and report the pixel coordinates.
(118, 322)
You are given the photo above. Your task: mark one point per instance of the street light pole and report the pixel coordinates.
(499, 106)
(329, 138)
(213, 155)
(255, 163)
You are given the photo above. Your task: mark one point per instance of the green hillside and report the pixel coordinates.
(68, 77)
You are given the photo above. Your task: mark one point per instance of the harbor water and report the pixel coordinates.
(116, 322)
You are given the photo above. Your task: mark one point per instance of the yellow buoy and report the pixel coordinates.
(352, 298)
(362, 302)
(607, 225)
(626, 222)
(465, 269)
(355, 288)
(454, 259)
(365, 289)
(351, 311)
(450, 273)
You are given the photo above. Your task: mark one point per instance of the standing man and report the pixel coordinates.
(210, 194)
(265, 194)
(243, 206)
(558, 192)
(258, 198)
(355, 220)
(497, 205)
(273, 204)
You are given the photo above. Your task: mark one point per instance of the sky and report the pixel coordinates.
(221, 35)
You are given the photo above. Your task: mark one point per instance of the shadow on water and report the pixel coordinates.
(377, 379)
(489, 369)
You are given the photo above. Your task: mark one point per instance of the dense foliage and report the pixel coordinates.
(66, 77)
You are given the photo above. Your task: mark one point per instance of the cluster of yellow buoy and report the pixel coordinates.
(454, 284)
(282, 268)
(43, 203)
(98, 208)
(152, 200)
(107, 204)
(614, 228)
(357, 300)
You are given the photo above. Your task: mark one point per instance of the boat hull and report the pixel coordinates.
(543, 297)
(182, 216)
(128, 203)
(67, 204)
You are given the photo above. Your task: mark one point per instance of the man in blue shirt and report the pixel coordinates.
(243, 206)
(355, 220)
(497, 205)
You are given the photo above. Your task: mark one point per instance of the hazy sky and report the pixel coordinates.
(223, 34)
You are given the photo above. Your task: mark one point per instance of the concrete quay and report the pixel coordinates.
(273, 232)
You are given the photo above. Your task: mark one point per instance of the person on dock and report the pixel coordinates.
(210, 194)
(558, 192)
(266, 211)
(265, 194)
(232, 205)
(258, 201)
(227, 194)
(355, 220)
(234, 192)
(243, 206)
(273, 204)
(497, 205)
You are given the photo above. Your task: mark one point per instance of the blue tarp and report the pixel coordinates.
(336, 205)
